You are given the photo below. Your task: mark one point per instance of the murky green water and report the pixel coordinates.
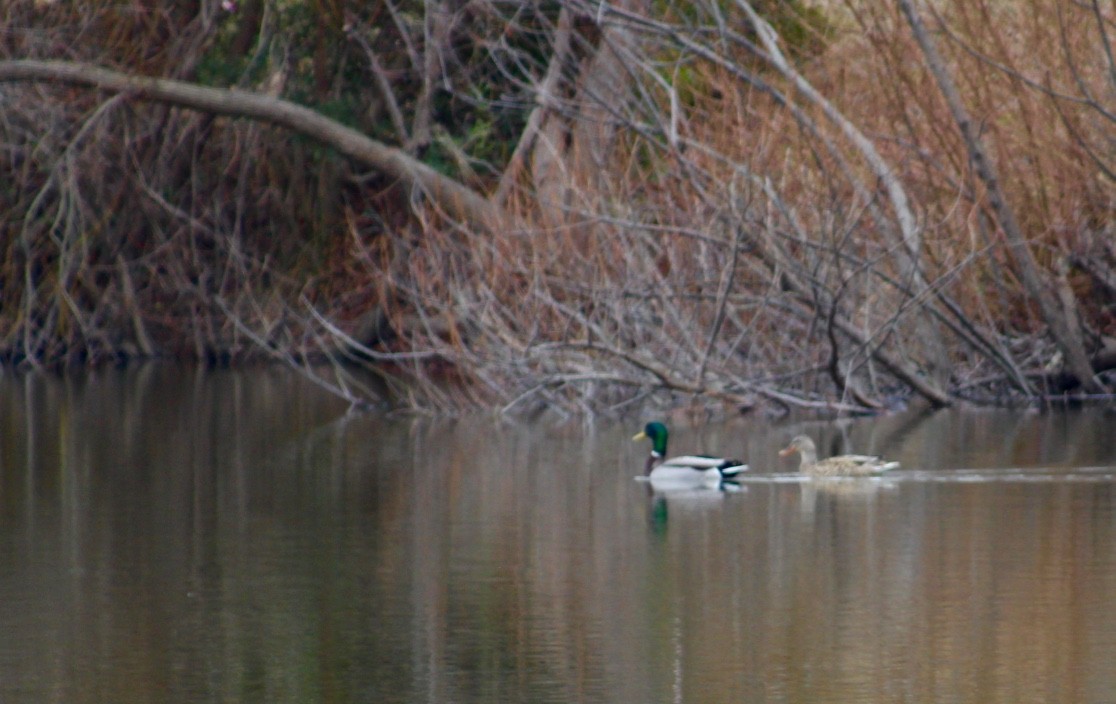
(167, 535)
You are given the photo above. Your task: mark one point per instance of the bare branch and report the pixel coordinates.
(1069, 341)
(457, 200)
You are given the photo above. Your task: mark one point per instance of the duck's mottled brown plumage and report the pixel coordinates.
(839, 466)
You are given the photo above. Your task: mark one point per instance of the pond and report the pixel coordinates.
(169, 534)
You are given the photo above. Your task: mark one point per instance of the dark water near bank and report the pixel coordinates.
(170, 535)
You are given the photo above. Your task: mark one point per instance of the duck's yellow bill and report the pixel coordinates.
(639, 436)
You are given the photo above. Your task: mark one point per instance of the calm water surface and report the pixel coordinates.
(172, 535)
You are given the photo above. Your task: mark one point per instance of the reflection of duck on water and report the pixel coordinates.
(685, 469)
(839, 466)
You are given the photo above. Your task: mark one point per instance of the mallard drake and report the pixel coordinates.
(686, 468)
(839, 466)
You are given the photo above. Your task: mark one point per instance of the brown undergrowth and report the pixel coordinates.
(733, 242)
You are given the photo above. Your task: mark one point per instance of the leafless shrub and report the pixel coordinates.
(695, 207)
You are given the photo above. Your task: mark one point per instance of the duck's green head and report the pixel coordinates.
(658, 434)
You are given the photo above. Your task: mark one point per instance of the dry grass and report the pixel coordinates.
(733, 245)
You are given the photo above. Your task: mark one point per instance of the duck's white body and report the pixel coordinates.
(695, 468)
(684, 470)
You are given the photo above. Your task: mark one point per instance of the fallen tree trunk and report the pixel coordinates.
(1065, 335)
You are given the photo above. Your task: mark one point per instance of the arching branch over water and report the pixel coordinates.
(569, 206)
(454, 198)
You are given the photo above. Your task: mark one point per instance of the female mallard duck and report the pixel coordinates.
(687, 468)
(839, 466)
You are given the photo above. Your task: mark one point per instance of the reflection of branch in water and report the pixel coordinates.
(896, 437)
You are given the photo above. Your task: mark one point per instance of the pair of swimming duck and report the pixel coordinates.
(699, 467)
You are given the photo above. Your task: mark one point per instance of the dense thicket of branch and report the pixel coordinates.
(457, 200)
(1067, 338)
(737, 204)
